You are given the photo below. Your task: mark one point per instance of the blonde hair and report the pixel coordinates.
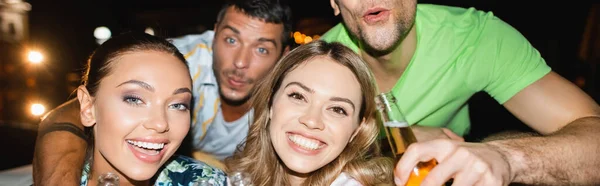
(259, 159)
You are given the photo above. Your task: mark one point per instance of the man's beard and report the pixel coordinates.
(397, 36)
(224, 98)
(234, 102)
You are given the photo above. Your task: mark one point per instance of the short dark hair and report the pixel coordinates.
(270, 11)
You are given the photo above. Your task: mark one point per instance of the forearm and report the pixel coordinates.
(567, 157)
(60, 147)
(58, 159)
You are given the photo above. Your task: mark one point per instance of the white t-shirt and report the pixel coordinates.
(344, 180)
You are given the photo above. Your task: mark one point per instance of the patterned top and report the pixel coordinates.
(179, 171)
(211, 133)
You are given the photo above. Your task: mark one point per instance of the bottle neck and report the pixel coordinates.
(407, 135)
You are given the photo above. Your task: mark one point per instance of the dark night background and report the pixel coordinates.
(63, 30)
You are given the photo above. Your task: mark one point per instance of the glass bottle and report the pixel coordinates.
(108, 179)
(240, 179)
(400, 135)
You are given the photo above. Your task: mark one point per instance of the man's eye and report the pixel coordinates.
(263, 51)
(230, 40)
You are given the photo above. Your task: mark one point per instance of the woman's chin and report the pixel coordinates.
(300, 168)
(141, 174)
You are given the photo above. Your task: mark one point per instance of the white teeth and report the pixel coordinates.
(310, 144)
(147, 145)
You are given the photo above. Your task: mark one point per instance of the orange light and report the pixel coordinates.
(298, 40)
(307, 39)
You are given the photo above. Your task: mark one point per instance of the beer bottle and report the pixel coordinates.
(400, 136)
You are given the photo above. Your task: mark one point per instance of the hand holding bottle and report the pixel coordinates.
(465, 163)
(400, 136)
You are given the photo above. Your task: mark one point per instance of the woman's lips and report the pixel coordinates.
(149, 151)
(304, 144)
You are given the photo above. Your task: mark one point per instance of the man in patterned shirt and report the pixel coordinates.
(249, 37)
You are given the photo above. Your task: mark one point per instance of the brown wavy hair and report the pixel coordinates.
(360, 158)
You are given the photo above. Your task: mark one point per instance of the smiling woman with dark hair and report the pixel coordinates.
(135, 101)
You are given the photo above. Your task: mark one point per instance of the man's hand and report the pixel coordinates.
(468, 163)
(430, 133)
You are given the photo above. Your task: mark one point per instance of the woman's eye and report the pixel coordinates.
(296, 95)
(339, 110)
(133, 100)
(180, 106)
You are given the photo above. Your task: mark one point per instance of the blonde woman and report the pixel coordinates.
(314, 122)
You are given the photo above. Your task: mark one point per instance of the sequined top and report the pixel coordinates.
(179, 171)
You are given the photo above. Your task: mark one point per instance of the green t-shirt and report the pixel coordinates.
(459, 53)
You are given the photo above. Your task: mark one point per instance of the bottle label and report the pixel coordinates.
(395, 124)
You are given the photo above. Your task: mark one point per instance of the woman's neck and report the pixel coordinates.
(101, 166)
(294, 178)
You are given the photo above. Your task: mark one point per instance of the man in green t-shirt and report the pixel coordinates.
(434, 58)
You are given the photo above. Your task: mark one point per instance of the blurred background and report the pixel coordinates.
(44, 44)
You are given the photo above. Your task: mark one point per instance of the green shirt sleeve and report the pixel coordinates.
(504, 60)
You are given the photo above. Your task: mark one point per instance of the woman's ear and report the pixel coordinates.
(86, 107)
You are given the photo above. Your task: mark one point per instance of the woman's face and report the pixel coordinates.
(314, 114)
(141, 113)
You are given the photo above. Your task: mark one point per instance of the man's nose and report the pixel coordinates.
(242, 59)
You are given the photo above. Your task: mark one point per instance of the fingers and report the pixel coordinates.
(451, 167)
(469, 164)
(488, 180)
(472, 177)
(464, 178)
(422, 152)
